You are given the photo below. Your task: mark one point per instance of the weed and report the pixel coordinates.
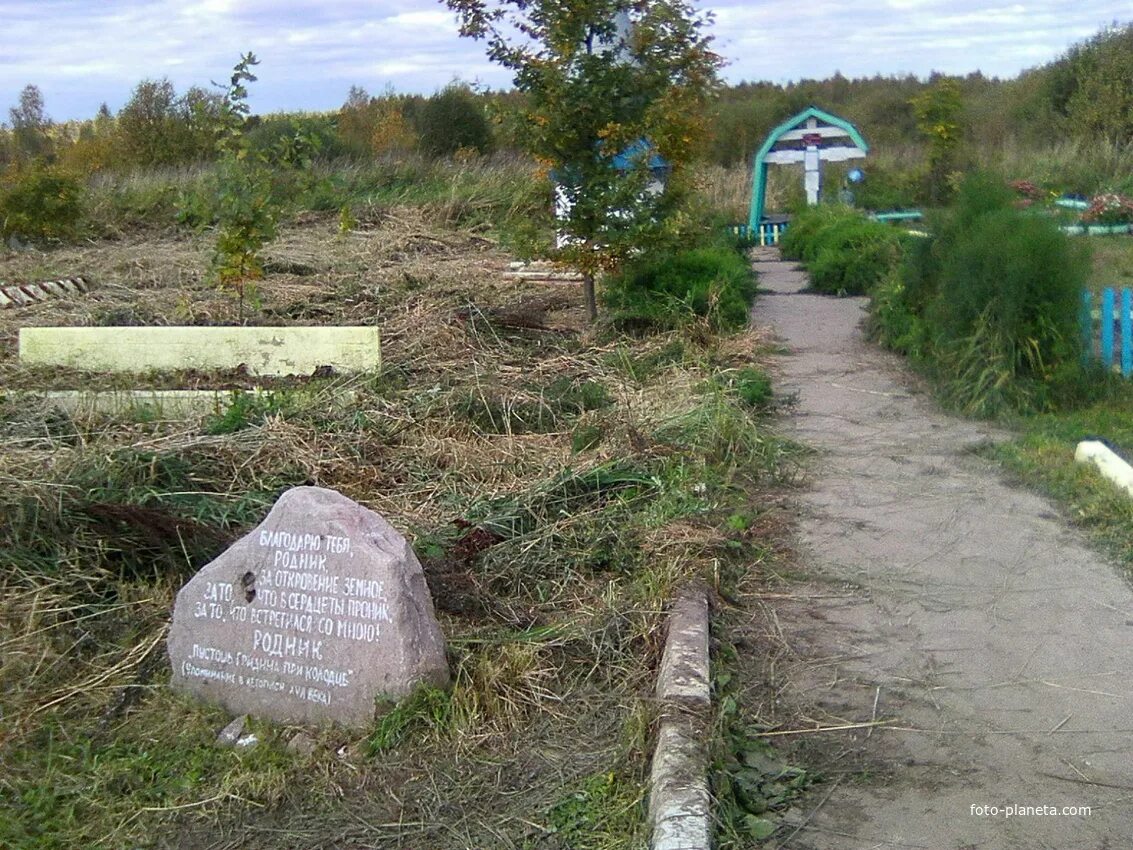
(845, 253)
(586, 437)
(41, 203)
(750, 384)
(246, 409)
(604, 811)
(752, 784)
(426, 710)
(645, 366)
(661, 292)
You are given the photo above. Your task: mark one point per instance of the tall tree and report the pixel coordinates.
(30, 124)
(600, 78)
(939, 110)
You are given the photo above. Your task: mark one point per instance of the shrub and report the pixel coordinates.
(41, 203)
(665, 290)
(845, 253)
(990, 302)
(893, 320)
(751, 385)
(887, 189)
(854, 255)
(801, 240)
(451, 120)
(1005, 317)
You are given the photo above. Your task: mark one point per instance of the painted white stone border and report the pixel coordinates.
(21, 295)
(166, 404)
(262, 350)
(1109, 463)
(679, 800)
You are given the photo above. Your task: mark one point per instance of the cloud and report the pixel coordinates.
(81, 53)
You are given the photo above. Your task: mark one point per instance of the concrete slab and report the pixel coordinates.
(262, 350)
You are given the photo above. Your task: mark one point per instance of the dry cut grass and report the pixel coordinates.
(555, 484)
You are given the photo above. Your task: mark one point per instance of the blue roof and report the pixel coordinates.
(632, 154)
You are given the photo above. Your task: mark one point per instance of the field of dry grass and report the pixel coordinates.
(557, 482)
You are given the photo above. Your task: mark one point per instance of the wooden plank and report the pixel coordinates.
(825, 132)
(1086, 325)
(1127, 332)
(1107, 327)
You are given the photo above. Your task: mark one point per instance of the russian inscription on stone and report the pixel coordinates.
(318, 611)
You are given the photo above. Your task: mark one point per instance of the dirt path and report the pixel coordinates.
(958, 605)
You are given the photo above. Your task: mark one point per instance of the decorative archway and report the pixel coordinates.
(812, 137)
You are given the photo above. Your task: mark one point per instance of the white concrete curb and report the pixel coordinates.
(679, 801)
(290, 350)
(1108, 463)
(166, 404)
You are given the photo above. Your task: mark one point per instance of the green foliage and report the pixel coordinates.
(586, 436)
(846, 253)
(660, 291)
(938, 111)
(451, 120)
(752, 385)
(886, 188)
(41, 203)
(894, 320)
(603, 811)
(157, 127)
(1090, 85)
(541, 410)
(990, 304)
(246, 212)
(1006, 316)
(244, 410)
(574, 396)
(593, 94)
(752, 784)
(426, 710)
(74, 786)
(854, 257)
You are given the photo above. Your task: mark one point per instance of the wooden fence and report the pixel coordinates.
(769, 232)
(1107, 323)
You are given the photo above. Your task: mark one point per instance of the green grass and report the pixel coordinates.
(1112, 261)
(489, 194)
(1043, 458)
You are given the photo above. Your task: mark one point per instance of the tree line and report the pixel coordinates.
(1086, 95)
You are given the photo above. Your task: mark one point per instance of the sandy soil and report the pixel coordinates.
(940, 598)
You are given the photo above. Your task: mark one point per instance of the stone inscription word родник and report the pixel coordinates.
(313, 615)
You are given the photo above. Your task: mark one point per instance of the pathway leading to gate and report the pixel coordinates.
(955, 603)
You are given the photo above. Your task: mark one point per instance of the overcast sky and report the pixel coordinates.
(83, 52)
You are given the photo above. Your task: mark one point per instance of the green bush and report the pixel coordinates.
(845, 253)
(656, 292)
(989, 304)
(887, 189)
(751, 385)
(894, 322)
(1005, 317)
(42, 203)
(854, 256)
(451, 120)
(802, 240)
